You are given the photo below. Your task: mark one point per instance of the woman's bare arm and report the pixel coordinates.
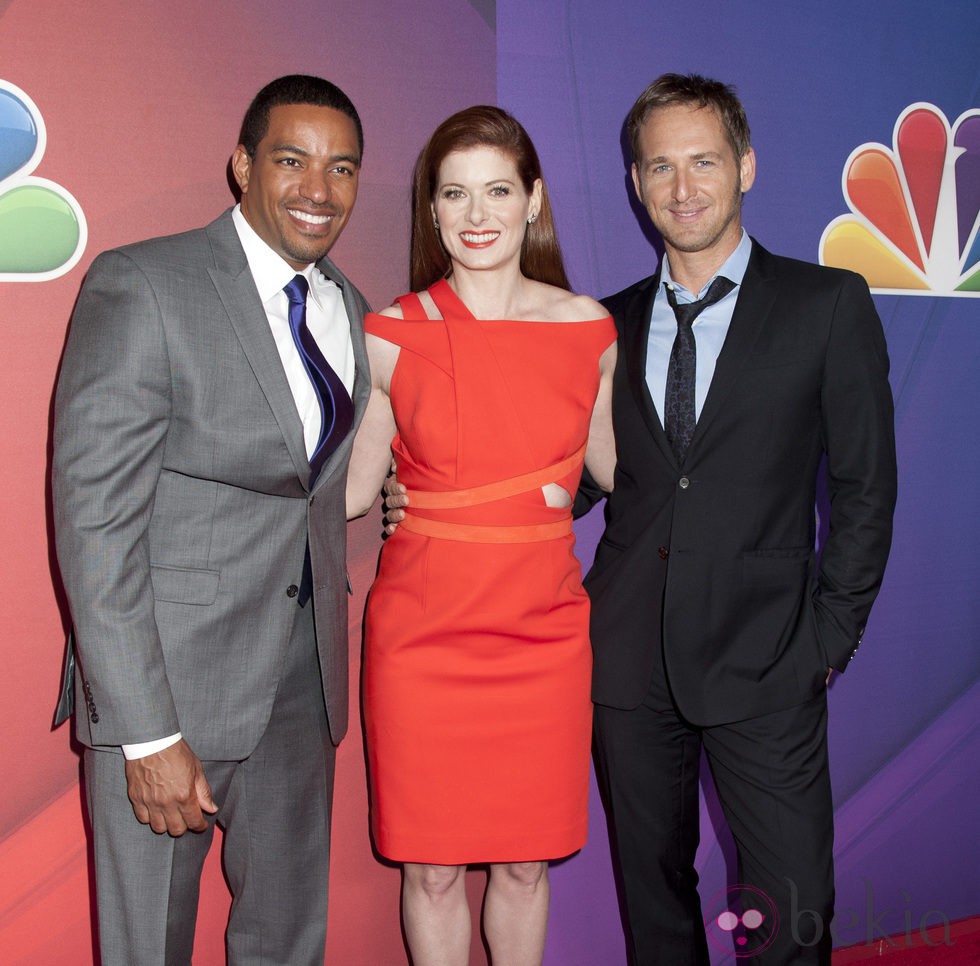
(371, 456)
(600, 455)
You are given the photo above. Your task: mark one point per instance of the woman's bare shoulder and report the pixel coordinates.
(587, 308)
(559, 305)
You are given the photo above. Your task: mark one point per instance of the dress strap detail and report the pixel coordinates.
(448, 302)
(473, 533)
(411, 306)
(498, 490)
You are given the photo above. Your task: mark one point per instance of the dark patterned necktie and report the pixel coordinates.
(680, 415)
(336, 408)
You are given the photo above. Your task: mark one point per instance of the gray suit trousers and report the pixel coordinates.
(274, 810)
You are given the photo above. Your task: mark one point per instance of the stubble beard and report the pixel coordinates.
(702, 241)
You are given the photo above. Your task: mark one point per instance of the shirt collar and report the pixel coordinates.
(270, 270)
(732, 268)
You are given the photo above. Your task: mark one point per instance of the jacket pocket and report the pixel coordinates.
(185, 585)
(777, 567)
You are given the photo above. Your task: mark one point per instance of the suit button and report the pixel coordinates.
(292, 590)
(683, 482)
(312, 500)
(664, 553)
(95, 717)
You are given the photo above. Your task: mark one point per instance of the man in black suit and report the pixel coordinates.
(715, 626)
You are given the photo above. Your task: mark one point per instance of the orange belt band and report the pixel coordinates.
(473, 533)
(500, 490)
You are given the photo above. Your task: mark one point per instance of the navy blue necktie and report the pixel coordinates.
(680, 414)
(336, 408)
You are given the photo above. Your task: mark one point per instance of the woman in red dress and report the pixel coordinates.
(491, 386)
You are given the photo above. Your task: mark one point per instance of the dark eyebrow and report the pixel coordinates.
(302, 152)
(486, 184)
(291, 148)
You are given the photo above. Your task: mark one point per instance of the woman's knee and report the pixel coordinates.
(433, 880)
(525, 876)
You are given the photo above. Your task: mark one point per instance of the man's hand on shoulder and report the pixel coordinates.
(169, 792)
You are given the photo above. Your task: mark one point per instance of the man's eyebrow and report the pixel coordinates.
(291, 148)
(696, 156)
(286, 148)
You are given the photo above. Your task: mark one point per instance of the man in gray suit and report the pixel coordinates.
(203, 424)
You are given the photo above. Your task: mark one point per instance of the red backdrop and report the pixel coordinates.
(141, 106)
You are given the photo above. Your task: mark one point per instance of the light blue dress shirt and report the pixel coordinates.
(710, 327)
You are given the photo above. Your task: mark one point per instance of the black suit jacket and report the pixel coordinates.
(711, 562)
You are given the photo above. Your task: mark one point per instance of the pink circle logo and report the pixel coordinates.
(742, 918)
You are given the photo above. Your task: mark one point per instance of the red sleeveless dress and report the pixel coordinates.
(477, 661)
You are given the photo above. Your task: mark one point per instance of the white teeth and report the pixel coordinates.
(307, 217)
(469, 236)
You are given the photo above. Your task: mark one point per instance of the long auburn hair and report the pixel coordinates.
(491, 127)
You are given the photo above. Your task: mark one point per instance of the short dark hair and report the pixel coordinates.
(293, 89)
(669, 90)
(481, 126)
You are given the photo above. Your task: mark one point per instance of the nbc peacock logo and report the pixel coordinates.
(42, 227)
(914, 227)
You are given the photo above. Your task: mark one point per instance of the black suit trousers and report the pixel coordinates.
(772, 779)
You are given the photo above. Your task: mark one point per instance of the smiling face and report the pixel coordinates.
(690, 181)
(299, 189)
(482, 207)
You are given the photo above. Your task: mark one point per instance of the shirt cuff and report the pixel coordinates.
(143, 748)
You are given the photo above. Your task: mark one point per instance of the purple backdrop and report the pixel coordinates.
(817, 81)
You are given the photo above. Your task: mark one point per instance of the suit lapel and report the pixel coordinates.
(636, 336)
(236, 289)
(755, 300)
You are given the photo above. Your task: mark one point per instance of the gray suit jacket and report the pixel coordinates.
(181, 501)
